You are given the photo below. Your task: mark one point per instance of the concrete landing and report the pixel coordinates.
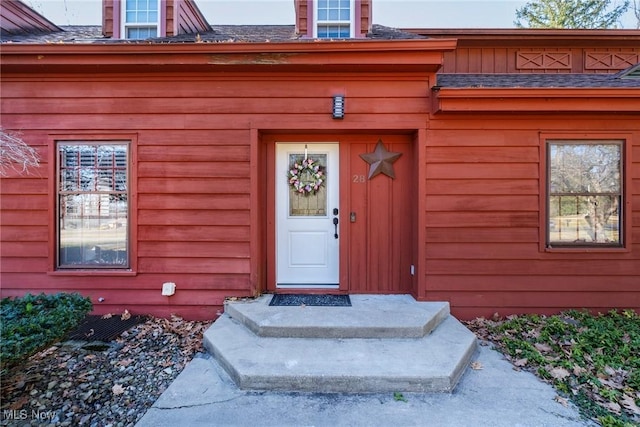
(370, 316)
(338, 360)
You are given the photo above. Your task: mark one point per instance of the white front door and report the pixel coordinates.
(307, 233)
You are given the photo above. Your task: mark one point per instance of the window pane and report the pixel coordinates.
(580, 219)
(585, 168)
(333, 31)
(585, 194)
(93, 205)
(141, 33)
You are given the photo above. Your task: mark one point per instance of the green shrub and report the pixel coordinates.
(33, 322)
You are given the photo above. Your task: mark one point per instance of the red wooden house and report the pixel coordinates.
(498, 170)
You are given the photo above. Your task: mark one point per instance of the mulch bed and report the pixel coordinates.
(112, 383)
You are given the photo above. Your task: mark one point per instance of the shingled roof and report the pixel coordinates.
(219, 33)
(470, 81)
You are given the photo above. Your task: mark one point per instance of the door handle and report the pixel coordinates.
(335, 223)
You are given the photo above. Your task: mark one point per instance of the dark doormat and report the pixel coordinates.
(103, 328)
(309, 299)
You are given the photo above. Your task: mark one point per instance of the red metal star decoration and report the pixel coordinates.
(381, 161)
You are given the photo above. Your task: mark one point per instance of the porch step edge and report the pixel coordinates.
(433, 363)
(370, 316)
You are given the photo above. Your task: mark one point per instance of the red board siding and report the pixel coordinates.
(483, 217)
(500, 59)
(193, 166)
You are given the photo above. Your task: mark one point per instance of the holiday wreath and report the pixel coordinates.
(306, 177)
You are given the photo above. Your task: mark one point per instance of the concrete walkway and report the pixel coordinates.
(495, 395)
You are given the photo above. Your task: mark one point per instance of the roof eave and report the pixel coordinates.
(405, 55)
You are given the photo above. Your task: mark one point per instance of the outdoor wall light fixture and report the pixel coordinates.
(338, 107)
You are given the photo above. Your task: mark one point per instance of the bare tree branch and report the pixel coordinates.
(16, 154)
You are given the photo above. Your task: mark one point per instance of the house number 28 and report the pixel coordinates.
(358, 179)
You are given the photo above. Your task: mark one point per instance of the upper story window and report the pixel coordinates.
(334, 19)
(585, 194)
(92, 204)
(141, 19)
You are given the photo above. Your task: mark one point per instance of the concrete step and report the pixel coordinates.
(336, 364)
(370, 316)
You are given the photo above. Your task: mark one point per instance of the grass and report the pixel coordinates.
(594, 360)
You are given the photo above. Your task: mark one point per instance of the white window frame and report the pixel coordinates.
(350, 22)
(124, 25)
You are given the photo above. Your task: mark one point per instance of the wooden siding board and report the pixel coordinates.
(540, 283)
(200, 233)
(188, 154)
(562, 267)
(23, 217)
(33, 233)
(186, 87)
(482, 171)
(23, 249)
(500, 234)
(483, 219)
(481, 136)
(214, 282)
(195, 265)
(220, 169)
(193, 217)
(534, 300)
(24, 186)
(194, 249)
(194, 185)
(196, 138)
(208, 105)
(142, 122)
(193, 201)
(482, 154)
(484, 204)
(482, 186)
(23, 202)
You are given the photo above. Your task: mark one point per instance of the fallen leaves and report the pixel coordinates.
(561, 400)
(593, 357)
(118, 383)
(476, 366)
(629, 403)
(558, 373)
(117, 389)
(520, 362)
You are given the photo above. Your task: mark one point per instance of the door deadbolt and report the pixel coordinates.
(352, 217)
